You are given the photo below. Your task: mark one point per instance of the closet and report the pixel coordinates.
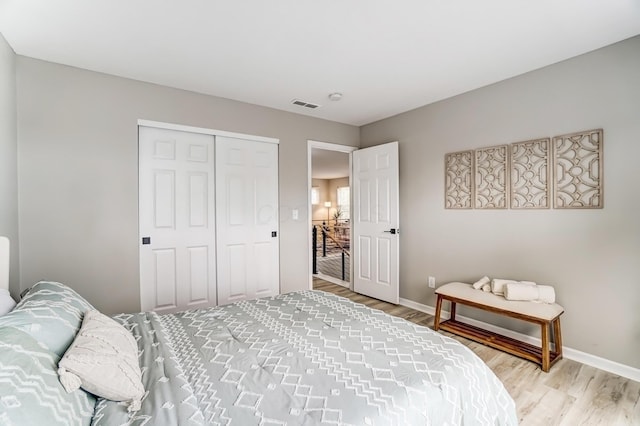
(208, 217)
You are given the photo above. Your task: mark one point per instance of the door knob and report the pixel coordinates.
(393, 231)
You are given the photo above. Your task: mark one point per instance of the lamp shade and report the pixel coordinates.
(327, 203)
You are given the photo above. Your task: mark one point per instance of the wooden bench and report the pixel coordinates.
(545, 314)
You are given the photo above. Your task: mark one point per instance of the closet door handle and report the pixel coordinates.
(146, 240)
(274, 234)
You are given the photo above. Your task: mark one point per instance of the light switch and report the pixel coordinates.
(294, 214)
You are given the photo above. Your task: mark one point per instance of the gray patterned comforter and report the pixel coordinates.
(305, 358)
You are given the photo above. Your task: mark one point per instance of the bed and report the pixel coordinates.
(302, 358)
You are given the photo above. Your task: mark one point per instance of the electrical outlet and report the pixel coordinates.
(432, 282)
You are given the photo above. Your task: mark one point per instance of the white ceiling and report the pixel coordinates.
(327, 164)
(386, 57)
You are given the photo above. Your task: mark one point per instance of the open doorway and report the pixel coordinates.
(330, 212)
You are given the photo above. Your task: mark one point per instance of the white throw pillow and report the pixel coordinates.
(103, 360)
(6, 302)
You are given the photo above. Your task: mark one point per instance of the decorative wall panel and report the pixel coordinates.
(458, 183)
(492, 178)
(530, 174)
(578, 170)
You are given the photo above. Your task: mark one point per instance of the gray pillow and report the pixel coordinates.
(30, 392)
(51, 313)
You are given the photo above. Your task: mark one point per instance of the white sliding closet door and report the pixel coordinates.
(247, 219)
(177, 220)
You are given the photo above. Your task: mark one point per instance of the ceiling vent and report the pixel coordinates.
(304, 104)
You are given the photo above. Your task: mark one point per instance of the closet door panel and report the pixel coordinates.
(165, 286)
(247, 217)
(176, 217)
(236, 271)
(198, 274)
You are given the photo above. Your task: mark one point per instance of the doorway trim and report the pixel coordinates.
(311, 145)
(205, 131)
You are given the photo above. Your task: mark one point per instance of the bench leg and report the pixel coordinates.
(436, 321)
(545, 347)
(453, 311)
(557, 337)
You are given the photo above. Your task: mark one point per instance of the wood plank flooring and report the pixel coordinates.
(571, 394)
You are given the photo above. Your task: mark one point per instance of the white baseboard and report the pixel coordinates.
(569, 353)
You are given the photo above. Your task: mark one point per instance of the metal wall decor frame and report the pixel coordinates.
(458, 182)
(578, 170)
(491, 174)
(531, 174)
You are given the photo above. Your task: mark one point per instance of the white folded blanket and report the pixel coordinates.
(527, 292)
(520, 291)
(497, 285)
(481, 282)
(546, 294)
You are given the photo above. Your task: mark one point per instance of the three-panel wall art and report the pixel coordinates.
(563, 172)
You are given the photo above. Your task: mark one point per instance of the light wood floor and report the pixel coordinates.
(571, 394)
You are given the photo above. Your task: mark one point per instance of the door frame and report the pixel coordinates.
(347, 149)
(205, 131)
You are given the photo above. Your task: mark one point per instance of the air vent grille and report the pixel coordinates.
(304, 104)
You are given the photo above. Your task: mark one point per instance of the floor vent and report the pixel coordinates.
(304, 104)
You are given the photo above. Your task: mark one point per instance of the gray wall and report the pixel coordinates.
(78, 174)
(328, 192)
(592, 257)
(9, 160)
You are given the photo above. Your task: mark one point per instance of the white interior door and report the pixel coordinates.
(177, 220)
(376, 222)
(247, 219)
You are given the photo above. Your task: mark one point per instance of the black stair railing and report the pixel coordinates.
(330, 245)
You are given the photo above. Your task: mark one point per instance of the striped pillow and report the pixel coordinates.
(30, 392)
(51, 313)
